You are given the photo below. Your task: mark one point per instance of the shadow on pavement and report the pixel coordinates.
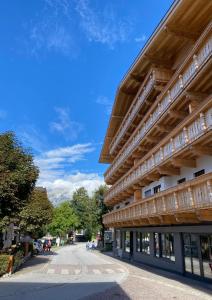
(197, 284)
(37, 260)
(11, 290)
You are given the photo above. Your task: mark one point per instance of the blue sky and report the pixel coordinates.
(61, 62)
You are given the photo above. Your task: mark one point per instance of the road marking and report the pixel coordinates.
(77, 271)
(110, 271)
(64, 272)
(50, 271)
(96, 271)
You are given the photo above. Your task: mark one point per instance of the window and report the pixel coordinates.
(157, 189)
(118, 239)
(145, 242)
(157, 244)
(138, 241)
(147, 193)
(181, 180)
(127, 241)
(199, 173)
(167, 246)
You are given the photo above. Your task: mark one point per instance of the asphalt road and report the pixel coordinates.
(75, 273)
(71, 273)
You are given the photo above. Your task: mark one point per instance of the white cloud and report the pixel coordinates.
(140, 39)
(31, 137)
(58, 24)
(107, 103)
(102, 26)
(64, 125)
(63, 188)
(56, 174)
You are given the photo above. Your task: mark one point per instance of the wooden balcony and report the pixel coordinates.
(152, 86)
(190, 202)
(180, 148)
(169, 109)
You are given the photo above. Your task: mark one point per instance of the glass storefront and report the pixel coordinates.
(164, 245)
(143, 242)
(127, 241)
(206, 253)
(191, 254)
(198, 254)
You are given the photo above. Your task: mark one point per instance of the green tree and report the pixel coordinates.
(81, 206)
(64, 219)
(37, 213)
(101, 208)
(18, 175)
(89, 210)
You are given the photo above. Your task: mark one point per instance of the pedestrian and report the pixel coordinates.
(58, 241)
(93, 246)
(49, 245)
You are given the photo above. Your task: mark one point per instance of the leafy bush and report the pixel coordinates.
(4, 260)
(18, 257)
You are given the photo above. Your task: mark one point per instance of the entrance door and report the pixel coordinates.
(191, 254)
(206, 253)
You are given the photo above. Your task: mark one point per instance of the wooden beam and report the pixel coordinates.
(197, 97)
(153, 139)
(164, 128)
(153, 177)
(181, 33)
(186, 217)
(137, 77)
(190, 163)
(130, 92)
(169, 171)
(136, 155)
(177, 114)
(158, 87)
(201, 150)
(157, 61)
(205, 214)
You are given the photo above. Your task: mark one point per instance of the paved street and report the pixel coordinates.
(74, 273)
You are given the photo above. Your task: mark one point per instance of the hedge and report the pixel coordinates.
(18, 259)
(4, 261)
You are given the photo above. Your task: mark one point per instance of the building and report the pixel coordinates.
(159, 146)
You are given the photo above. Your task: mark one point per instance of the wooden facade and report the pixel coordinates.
(161, 129)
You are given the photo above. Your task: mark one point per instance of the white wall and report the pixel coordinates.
(204, 162)
(122, 204)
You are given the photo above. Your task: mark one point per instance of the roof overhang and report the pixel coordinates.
(181, 21)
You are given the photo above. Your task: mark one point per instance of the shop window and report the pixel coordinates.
(147, 193)
(157, 244)
(199, 173)
(181, 180)
(157, 189)
(138, 241)
(127, 241)
(145, 242)
(167, 246)
(118, 239)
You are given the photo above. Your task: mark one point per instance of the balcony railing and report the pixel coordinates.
(190, 196)
(185, 137)
(197, 61)
(155, 76)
